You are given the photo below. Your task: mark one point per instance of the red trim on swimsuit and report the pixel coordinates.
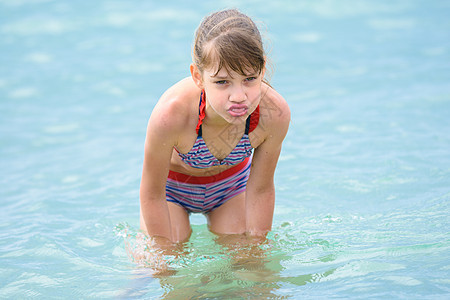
(180, 177)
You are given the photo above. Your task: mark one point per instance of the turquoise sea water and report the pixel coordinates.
(363, 181)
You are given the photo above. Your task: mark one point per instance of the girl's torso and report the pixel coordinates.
(218, 142)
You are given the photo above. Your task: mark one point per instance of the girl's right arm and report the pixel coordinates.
(159, 143)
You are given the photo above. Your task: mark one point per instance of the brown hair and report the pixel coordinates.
(231, 37)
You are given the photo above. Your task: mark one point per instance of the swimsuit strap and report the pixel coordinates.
(252, 121)
(250, 124)
(201, 113)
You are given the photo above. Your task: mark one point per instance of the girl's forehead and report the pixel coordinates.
(214, 71)
(224, 72)
(224, 61)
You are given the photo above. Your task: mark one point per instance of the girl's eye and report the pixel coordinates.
(220, 82)
(250, 78)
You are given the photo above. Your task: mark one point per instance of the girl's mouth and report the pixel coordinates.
(238, 110)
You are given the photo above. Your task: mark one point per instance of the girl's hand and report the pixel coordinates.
(152, 252)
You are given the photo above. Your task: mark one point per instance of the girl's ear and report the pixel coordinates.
(196, 76)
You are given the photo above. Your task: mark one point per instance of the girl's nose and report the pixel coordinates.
(238, 94)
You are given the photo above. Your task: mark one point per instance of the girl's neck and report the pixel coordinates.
(213, 119)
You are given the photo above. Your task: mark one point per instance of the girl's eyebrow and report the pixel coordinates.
(253, 74)
(220, 76)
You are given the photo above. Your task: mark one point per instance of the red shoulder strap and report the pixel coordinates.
(254, 119)
(201, 111)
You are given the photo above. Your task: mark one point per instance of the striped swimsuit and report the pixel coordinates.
(205, 193)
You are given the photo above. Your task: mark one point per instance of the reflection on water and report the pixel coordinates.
(210, 266)
(352, 253)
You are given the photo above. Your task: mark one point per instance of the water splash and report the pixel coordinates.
(305, 251)
(140, 250)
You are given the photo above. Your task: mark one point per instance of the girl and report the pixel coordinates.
(201, 135)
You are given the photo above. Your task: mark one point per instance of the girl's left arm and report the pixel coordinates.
(260, 192)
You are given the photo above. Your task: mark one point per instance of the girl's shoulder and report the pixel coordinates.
(180, 95)
(177, 106)
(274, 109)
(180, 98)
(274, 119)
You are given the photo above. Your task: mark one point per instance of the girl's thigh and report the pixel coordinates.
(229, 218)
(179, 221)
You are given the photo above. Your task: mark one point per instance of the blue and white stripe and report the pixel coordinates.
(200, 156)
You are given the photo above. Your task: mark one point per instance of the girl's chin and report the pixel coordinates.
(236, 120)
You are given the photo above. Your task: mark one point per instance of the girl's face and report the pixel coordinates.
(229, 95)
